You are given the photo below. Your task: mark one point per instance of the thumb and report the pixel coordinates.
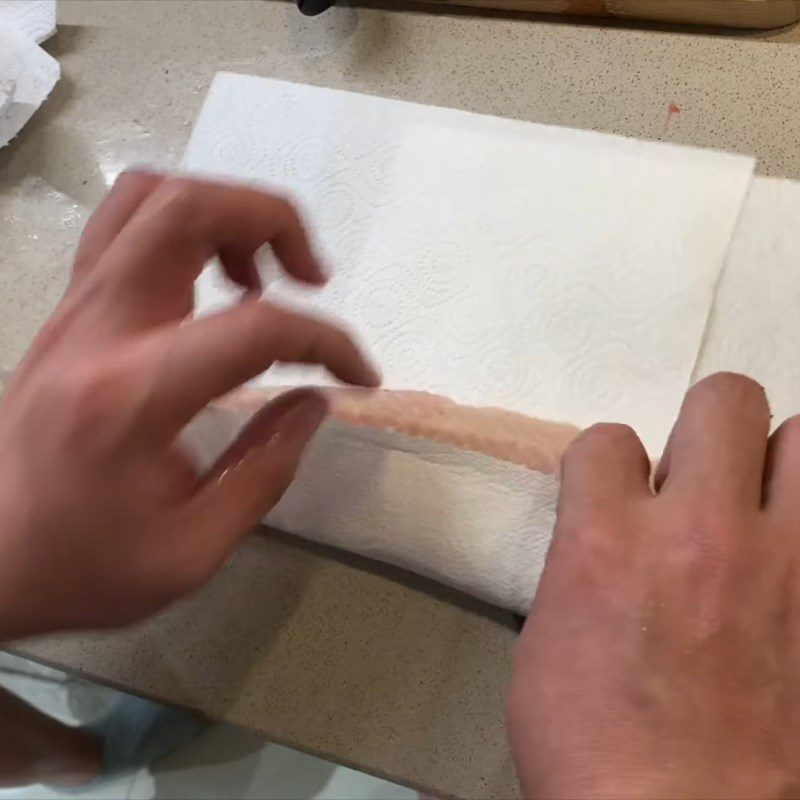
(254, 472)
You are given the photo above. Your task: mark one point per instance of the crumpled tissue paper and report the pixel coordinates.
(27, 73)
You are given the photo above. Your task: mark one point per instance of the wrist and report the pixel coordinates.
(14, 616)
(671, 779)
(16, 596)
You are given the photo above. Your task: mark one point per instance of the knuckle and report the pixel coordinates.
(707, 538)
(344, 340)
(287, 209)
(91, 398)
(590, 539)
(333, 340)
(591, 527)
(262, 325)
(286, 214)
(291, 333)
(334, 347)
(181, 199)
(706, 560)
(601, 437)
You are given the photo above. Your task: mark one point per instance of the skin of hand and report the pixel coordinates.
(661, 658)
(103, 520)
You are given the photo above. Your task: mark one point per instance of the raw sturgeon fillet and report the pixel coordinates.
(507, 435)
(463, 495)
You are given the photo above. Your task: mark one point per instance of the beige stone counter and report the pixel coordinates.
(327, 653)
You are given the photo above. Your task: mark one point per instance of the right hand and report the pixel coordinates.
(103, 520)
(661, 658)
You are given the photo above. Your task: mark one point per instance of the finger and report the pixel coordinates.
(719, 442)
(213, 217)
(181, 225)
(782, 469)
(254, 473)
(240, 267)
(128, 193)
(263, 426)
(209, 357)
(606, 464)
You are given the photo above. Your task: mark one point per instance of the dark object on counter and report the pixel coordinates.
(734, 13)
(312, 7)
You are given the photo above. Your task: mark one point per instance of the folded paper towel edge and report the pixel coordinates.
(578, 134)
(470, 521)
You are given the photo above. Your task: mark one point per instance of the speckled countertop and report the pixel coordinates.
(327, 653)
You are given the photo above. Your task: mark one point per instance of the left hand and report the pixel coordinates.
(102, 519)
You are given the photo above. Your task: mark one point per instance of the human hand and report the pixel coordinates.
(102, 519)
(661, 658)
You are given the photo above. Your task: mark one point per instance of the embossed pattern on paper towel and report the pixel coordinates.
(559, 273)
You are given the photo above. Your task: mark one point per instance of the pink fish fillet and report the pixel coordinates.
(506, 435)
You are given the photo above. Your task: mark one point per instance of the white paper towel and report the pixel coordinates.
(484, 525)
(465, 519)
(754, 327)
(561, 273)
(31, 70)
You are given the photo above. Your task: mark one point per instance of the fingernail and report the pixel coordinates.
(290, 420)
(300, 423)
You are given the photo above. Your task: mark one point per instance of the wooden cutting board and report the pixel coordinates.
(734, 13)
